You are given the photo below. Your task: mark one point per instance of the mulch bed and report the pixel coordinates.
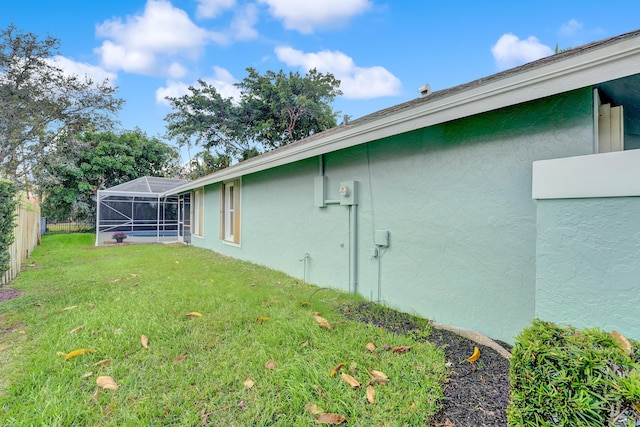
(474, 398)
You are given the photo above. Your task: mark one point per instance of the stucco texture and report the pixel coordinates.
(456, 199)
(588, 263)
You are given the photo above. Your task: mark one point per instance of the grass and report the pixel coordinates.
(120, 293)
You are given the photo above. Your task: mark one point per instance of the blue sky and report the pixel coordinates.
(382, 51)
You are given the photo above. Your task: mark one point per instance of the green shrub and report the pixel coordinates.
(561, 376)
(8, 203)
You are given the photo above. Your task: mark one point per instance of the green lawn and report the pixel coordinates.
(75, 296)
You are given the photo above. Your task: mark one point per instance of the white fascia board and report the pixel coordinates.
(614, 174)
(107, 193)
(594, 66)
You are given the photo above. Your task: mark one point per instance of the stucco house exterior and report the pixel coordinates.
(481, 206)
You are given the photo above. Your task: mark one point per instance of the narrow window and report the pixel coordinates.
(198, 212)
(230, 211)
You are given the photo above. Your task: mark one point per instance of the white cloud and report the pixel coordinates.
(176, 71)
(70, 67)
(243, 22)
(212, 8)
(222, 80)
(307, 16)
(570, 28)
(355, 82)
(510, 51)
(140, 43)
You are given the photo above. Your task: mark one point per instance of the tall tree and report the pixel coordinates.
(39, 103)
(70, 174)
(274, 109)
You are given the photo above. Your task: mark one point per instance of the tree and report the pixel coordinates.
(39, 104)
(70, 175)
(274, 109)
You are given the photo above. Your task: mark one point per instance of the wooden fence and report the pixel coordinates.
(27, 237)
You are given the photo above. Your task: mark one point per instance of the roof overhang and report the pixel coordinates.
(589, 66)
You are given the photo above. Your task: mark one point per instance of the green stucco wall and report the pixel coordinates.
(456, 199)
(588, 264)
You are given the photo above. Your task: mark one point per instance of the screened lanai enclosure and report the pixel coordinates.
(140, 209)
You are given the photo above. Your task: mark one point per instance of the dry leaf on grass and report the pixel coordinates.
(180, 358)
(69, 308)
(271, 365)
(323, 323)
(194, 314)
(372, 348)
(336, 368)
(87, 374)
(378, 378)
(334, 419)
(350, 380)
(623, 341)
(102, 362)
(304, 344)
(474, 356)
(79, 328)
(248, 384)
(261, 319)
(319, 391)
(371, 394)
(144, 340)
(106, 382)
(79, 352)
(401, 349)
(313, 409)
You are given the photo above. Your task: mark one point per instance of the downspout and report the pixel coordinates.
(353, 248)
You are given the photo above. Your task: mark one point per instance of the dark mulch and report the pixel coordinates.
(6, 294)
(475, 398)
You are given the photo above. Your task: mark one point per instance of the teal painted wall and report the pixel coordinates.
(588, 264)
(455, 197)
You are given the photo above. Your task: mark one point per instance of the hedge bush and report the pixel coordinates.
(8, 203)
(561, 376)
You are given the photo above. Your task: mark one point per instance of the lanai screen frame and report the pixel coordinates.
(145, 190)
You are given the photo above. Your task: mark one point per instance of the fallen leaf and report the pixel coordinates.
(304, 344)
(261, 319)
(319, 391)
(102, 362)
(248, 384)
(372, 348)
(79, 328)
(412, 406)
(474, 356)
(38, 304)
(87, 374)
(194, 313)
(623, 341)
(106, 382)
(334, 419)
(180, 358)
(79, 352)
(313, 409)
(323, 323)
(242, 405)
(271, 365)
(401, 349)
(371, 394)
(69, 308)
(350, 380)
(144, 340)
(448, 423)
(336, 368)
(378, 374)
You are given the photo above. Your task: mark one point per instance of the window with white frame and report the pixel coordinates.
(230, 211)
(197, 212)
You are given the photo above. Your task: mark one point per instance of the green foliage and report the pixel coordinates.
(39, 102)
(274, 109)
(70, 174)
(8, 204)
(122, 292)
(561, 376)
